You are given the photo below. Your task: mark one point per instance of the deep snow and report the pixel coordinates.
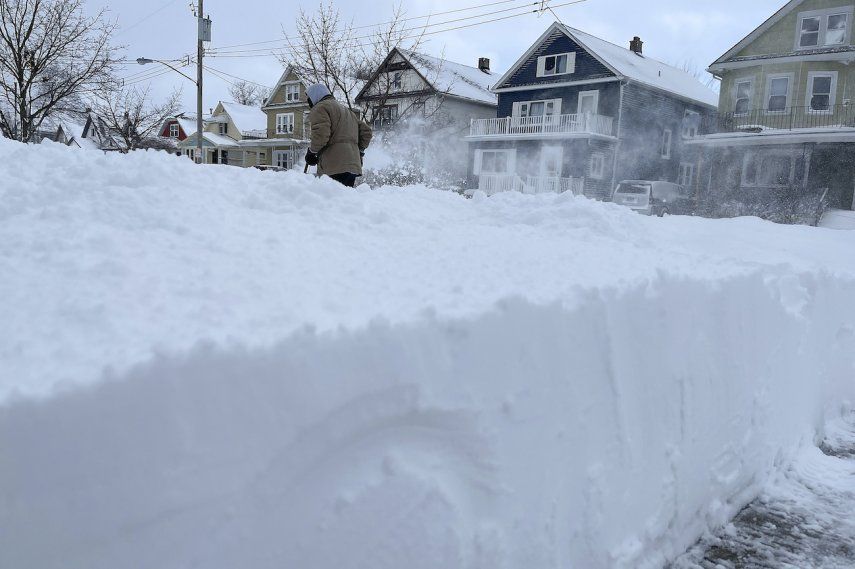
(213, 367)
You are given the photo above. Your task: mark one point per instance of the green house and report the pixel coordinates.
(786, 122)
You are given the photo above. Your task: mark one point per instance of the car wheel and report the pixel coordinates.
(663, 212)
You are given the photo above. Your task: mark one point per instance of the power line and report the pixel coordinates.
(286, 38)
(146, 18)
(430, 33)
(221, 72)
(357, 43)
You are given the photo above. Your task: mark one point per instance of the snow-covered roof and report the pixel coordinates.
(245, 117)
(188, 125)
(212, 137)
(456, 79)
(643, 69)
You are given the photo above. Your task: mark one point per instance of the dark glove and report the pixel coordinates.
(311, 158)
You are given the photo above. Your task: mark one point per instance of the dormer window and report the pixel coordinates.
(559, 64)
(173, 130)
(823, 28)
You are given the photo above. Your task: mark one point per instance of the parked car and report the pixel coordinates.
(653, 198)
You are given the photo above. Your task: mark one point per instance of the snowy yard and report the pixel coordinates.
(215, 367)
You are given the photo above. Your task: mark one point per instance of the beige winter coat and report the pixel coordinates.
(338, 138)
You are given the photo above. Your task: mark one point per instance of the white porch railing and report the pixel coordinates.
(545, 125)
(495, 183)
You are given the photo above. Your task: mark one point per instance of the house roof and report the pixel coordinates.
(645, 70)
(625, 63)
(212, 137)
(747, 40)
(455, 79)
(245, 117)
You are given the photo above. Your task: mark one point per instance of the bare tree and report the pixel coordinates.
(50, 52)
(247, 93)
(131, 116)
(702, 75)
(328, 50)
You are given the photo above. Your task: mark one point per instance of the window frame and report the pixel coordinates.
(750, 81)
(224, 128)
(570, 69)
(832, 97)
(600, 172)
(517, 107)
(682, 178)
(289, 161)
(177, 130)
(478, 168)
(687, 126)
(595, 94)
(289, 94)
(822, 34)
(789, 97)
(665, 149)
(397, 81)
(293, 123)
(759, 157)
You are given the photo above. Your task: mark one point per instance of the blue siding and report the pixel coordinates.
(608, 106)
(587, 66)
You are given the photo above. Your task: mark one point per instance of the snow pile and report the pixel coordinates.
(213, 367)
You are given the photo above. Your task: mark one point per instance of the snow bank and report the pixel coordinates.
(212, 367)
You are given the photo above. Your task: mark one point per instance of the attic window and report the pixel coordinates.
(292, 93)
(397, 81)
(173, 130)
(559, 64)
(823, 28)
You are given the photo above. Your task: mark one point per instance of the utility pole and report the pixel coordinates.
(201, 53)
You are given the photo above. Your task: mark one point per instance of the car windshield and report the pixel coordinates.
(633, 188)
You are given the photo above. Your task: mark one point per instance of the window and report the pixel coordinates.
(691, 123)
(589, 102)
(174, 131)
(494, 162)
(292, 93)
(687, 174)
(767, 170)
(743, 97)
(224, 128)
(283, 159)
(397, 81)
(665, 148)
(537, 108)
(386, 113)
(559, 64)
(597, 167)
(821, 28)
(777, 93)
(191, 153)
(224, 156)
(285, 123)
(821, 91)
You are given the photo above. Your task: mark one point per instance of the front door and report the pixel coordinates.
(589, 102)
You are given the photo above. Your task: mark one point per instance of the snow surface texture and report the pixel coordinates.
(802, 520)
(257, 369)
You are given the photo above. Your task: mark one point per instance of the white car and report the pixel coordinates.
(653, 198)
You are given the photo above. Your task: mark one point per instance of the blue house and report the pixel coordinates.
(577, 113)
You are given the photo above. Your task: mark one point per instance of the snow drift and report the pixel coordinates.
(219, 368)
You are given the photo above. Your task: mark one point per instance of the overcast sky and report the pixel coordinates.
(674, 31)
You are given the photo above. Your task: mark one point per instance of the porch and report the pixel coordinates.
(542, 126)
(496, 183)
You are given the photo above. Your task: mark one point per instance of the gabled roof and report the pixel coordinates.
(447, 77)
(245, 117)
(625, 63)
(212, 137)
(762, 28)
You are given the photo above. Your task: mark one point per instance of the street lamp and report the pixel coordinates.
(198, 83)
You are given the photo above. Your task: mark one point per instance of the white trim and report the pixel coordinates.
(479, 160)
(286, 86)
(771, 77)
(595, 94)
(284, 123)
(597, 173)
(536, 45)
(177, 128)
(841, 56)
(556, 150)
(751, 81)
(516, 108)
(822, 33)
(540, 86)
(798, 136)
(288, 158)
(686, 174)
(571, 64)
(832, 99)
(669, 134)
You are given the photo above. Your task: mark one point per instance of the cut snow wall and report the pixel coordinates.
(606, 434)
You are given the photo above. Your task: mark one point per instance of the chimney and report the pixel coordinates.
(484, 64)
(635, 45)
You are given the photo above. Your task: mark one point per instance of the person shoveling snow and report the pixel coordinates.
(339, 138)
